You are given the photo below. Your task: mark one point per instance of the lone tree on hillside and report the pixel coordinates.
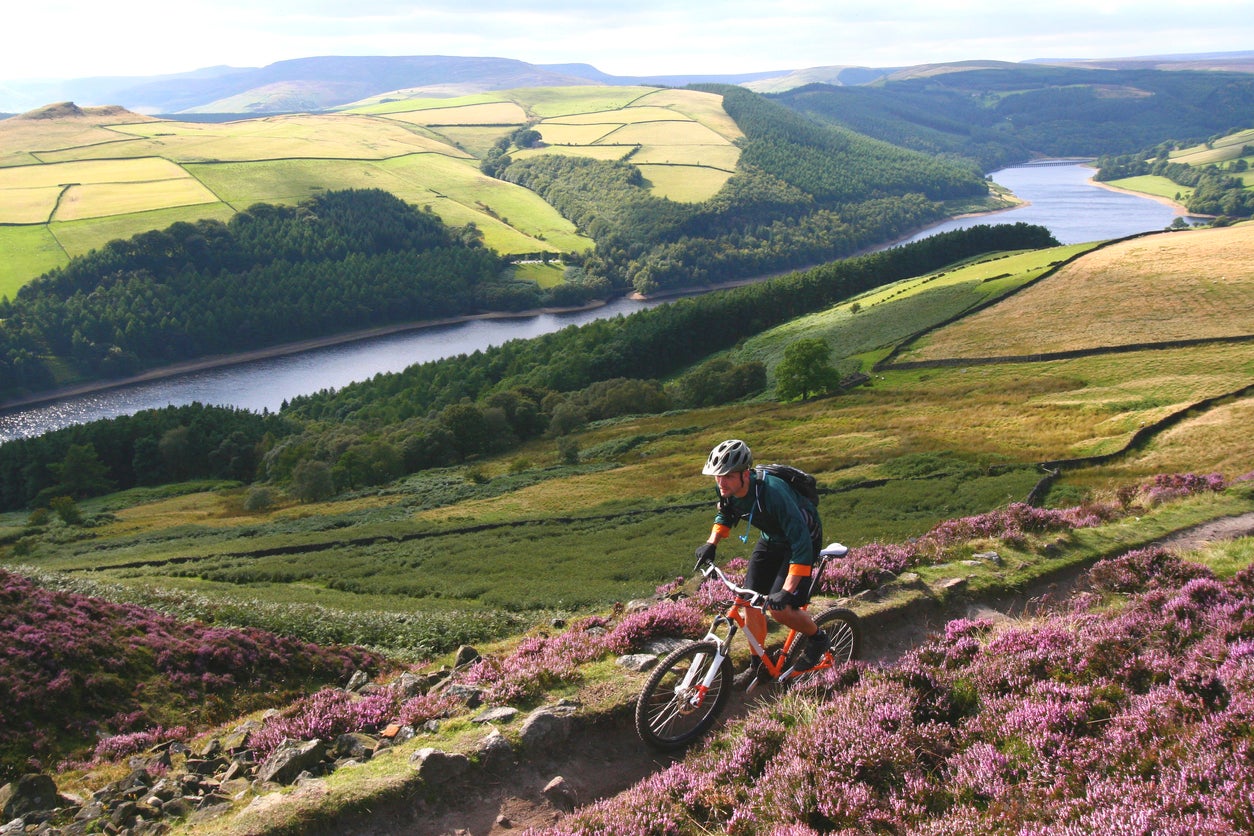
(805, 370)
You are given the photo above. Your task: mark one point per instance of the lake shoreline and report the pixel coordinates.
(284, 349)
(219, 361)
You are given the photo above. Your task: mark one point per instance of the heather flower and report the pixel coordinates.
(1143, 569)
(1165, 487)
(93, 669)
(541, 662)
(324, 716)
(120, 745)
(667, 618)
(866, 567)
(418, 710)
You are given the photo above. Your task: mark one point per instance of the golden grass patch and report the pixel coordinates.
(19, 136)
(485, 113)
(27, 206)
(706, 108)
(473, 139)
(548, 102)
(96, 171)
(101, 199)
(713, 156)
(1172, 286)
(594, 152)
(664, 133)
(684, 183)
(619, 116)
(315, 136)
(558, 134)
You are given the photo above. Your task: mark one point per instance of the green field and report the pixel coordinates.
(113, 175)
(1220, 150)
(913, 447)
(1152, 184)
(28, 251)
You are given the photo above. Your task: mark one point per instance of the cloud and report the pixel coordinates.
(75, 38)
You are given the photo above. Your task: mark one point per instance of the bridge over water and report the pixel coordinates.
(1040, 163)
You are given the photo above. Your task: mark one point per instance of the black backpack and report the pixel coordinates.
(800, 481)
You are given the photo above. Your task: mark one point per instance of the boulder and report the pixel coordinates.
(560, 794)
(356, 745)
(637, 661)
(291, 759)
(495, 752)
(437, 767)
(496, 714)
(31, 793)
(544, 728)
(466, 656)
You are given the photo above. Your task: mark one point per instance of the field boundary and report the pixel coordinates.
(951, 362)
(1054, 469)
(889, 362)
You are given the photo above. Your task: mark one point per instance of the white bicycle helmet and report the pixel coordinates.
(729, 457)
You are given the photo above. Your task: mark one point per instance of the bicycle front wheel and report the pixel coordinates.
(674, 708)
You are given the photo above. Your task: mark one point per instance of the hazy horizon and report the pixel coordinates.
(68, 39)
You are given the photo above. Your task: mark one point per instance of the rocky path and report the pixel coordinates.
(602, 760)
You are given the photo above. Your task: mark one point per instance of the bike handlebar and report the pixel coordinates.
(753, 597)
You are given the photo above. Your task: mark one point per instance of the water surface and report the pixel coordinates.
(1059, 198)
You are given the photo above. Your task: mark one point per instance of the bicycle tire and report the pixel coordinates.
(844, 631)
(667, 719)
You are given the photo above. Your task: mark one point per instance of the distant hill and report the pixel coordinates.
(999, 112)
(319, 83)
(1231, 61)
(313, 84)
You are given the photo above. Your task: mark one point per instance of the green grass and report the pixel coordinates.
(1154, 185)
(544, 275)
(28, 252)
(82, 236)
(897, 456)
(883, 317)
(386, 145)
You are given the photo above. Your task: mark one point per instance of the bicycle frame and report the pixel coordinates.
(690, 687)
(735, 620)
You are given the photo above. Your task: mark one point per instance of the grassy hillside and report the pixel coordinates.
(73, 179)
(913, 447)
(996, 112)
(482, 553)
(1231, 154)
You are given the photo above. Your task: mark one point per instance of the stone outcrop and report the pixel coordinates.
(174, 782)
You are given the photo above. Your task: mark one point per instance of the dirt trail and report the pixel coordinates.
(602, 760)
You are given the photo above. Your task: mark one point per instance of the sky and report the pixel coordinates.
(60, 39)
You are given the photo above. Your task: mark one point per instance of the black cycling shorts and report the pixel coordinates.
(769, 563)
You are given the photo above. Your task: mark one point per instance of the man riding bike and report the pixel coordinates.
(784, 555)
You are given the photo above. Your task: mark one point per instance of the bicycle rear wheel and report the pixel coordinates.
(844, 631)
(672, 710)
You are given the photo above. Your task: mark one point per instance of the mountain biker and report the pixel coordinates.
(782, 559)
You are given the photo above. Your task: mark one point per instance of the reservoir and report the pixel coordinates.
(1058, 197)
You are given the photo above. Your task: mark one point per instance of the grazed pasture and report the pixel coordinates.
(113, 174)
(897, 455)
(1194, 284)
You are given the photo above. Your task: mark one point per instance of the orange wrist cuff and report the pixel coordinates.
(800, 569)
(719, 531)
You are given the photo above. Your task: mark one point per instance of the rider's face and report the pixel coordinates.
(733, 484)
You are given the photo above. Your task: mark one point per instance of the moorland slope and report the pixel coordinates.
(901, 459)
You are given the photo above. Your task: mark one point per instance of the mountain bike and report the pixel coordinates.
(690, 687)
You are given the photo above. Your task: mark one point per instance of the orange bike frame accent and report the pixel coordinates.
(737, 613)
